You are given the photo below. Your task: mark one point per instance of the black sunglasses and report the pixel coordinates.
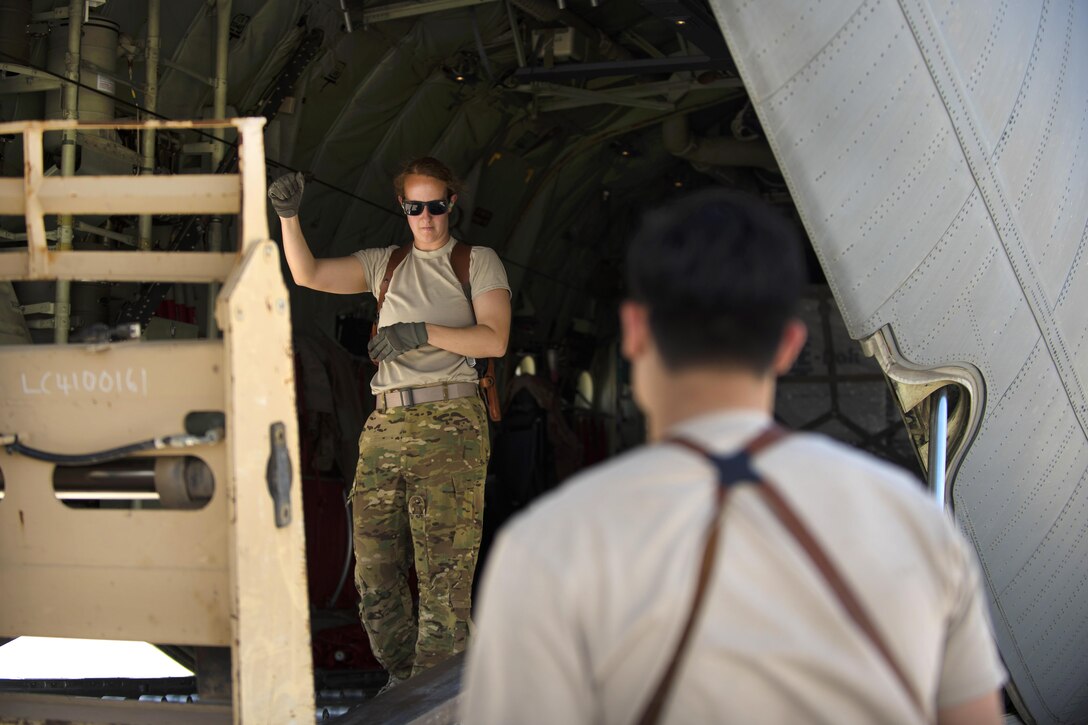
(436, 208)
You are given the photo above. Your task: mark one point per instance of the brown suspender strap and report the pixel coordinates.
(399, 254)
(766, 439)
(652, 713)
(792, 523)
(654, 707)
(459, 259)
(789, 519)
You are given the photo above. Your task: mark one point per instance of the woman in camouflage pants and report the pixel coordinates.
(418, 492)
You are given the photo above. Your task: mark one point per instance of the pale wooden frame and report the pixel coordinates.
(36, 195)
(226, 574)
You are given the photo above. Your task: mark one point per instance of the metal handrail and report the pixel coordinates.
(938, 446)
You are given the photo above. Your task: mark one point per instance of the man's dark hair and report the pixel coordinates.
(721, 274)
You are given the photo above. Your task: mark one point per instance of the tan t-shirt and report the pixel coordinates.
(584, 596)
(424, 288)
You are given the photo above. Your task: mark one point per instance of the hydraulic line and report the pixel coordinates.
(12, 445)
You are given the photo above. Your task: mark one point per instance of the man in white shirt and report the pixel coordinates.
(586, 596)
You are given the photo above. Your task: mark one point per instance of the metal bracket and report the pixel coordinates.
(51, 324)
(915, 389)
(43, 308)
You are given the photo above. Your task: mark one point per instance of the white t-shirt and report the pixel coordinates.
(584, 595)
(424, 288)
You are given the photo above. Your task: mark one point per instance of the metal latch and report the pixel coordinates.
(279, 474)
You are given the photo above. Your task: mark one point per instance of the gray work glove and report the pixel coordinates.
(286, 194)
(397, 339)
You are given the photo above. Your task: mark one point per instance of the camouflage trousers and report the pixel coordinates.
(418, 498)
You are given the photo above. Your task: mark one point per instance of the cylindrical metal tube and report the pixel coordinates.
(347, 17)
(96, 54)
(129, 479)
(177, 482)
(219, 150)
(938, 445)
(62, 314)
(151, 97)
(515, 29)
(222, 50)
(183, 482)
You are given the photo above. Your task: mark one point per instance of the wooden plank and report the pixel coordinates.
(178, 194)
(165, 599)
(77, 398)
(254, 209)
(15, 127)
(14, 265)
(144, 266)
(12, 202)
(272, 668)
(34, 709)
(191, 267)
(38, 265)
(158, 575)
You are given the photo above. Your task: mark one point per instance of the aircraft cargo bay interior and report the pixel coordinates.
(197, 205)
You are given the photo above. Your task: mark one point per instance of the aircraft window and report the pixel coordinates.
(583, 397)
(527, 366)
